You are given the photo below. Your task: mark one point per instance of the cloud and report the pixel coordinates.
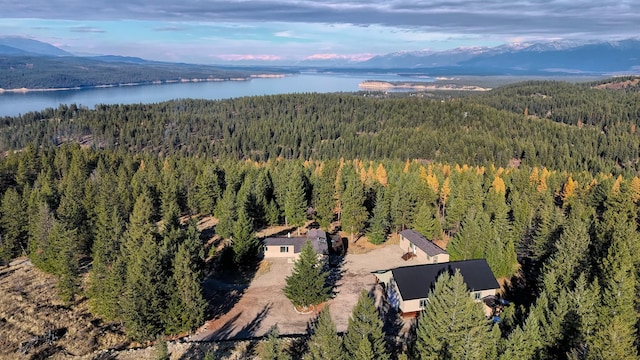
(602, 18)
(170, 28)
(244, 57)
(287, 34)
(86, 29)
(350, 57)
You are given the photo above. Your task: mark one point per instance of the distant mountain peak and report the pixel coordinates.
(573, 56)
(31, 47)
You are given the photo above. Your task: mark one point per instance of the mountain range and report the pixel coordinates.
(566, 57)
(554, 57)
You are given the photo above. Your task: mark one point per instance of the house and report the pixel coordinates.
(290, 246)
(423, 250)
(408, 287)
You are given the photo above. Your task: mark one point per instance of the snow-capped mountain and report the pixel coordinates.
(572, 56)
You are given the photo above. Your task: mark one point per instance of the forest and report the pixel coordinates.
(41, 72)
(539, 178)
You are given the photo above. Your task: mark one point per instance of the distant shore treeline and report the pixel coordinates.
(26, 73)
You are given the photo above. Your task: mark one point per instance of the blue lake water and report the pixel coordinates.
(12, 104)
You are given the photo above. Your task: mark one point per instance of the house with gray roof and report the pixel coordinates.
(291, 246)
(408, 287)
(421, 249)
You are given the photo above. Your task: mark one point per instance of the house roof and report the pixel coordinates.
(422, 243)
(319, 244)
(316, 233)
(415, 282)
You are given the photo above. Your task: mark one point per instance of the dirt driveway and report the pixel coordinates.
(251, 311)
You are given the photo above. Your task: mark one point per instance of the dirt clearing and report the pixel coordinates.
(252, 309)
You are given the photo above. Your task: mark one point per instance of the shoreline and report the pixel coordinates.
(155, 82)
(386, 86)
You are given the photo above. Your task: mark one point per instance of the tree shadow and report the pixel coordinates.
(225, 284)
(249, 330)
(228, 330)
(393, 325)
(336, 271)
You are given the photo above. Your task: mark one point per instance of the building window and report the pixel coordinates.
(476, 295)
(435, 259)
(423, 303)
(284, 249)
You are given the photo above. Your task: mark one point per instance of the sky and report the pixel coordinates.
(290, 31)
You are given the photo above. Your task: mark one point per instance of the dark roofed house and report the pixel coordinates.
(423, 250)
(290, 247)
(408, 287)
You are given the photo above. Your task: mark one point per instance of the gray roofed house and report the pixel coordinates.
(408, 287)
(423, 250)
(290, 246)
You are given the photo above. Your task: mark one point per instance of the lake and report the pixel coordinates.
(12, 104)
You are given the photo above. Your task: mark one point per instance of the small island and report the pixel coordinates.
(376, 85)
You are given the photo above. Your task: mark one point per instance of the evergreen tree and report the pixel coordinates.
(469, 242)
(306, 286)
(273, 347)
(324, 194)
(186, 304)
(425, 221)
(41, 251)
(452, 325)
(325, 343)
(353, 214)
(365, 350)
(106, 279)
(364, 323)
(207, 191)
(14, 225)
(226, 212)
(380, 222)
(616, 333)
(144, 295)
(295, 203)
(66, 261)
(245, 245)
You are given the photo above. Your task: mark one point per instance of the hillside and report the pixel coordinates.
(114, 208)
(39, 72)
(489, 127)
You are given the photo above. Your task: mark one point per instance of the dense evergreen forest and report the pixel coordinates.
(41, 72)
(552, 204)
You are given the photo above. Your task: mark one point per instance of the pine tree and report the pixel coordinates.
(144, 296)
(365, 351)
(425, 221)
(354, 214)
(186, 305)
(380, 222)
(66, 262)
(207, 191)
(14, 225)
(452, 325)
(324, 194)
(364, 323)
(295, 203)
(41, 251)
(245, 245)
(273, 347)
(325, 343)
(105, 284)
(617, 327)
(226, 212)
(306, 286)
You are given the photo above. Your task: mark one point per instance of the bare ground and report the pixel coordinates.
(254, 309)
(31, 313)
